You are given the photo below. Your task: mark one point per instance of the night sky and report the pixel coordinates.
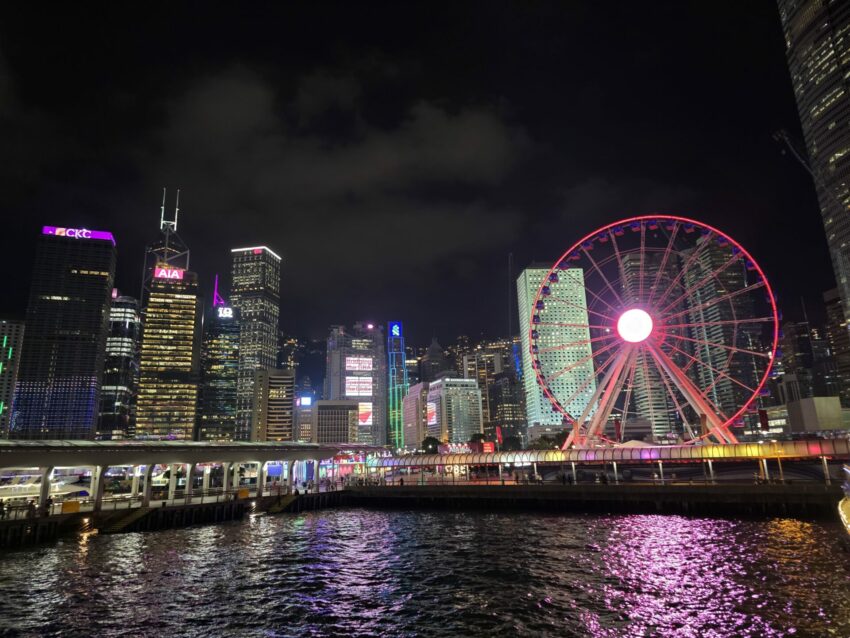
(395, 153)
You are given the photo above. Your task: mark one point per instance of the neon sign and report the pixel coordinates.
(168, 273)
(77, 233)
(395, 328)
(224, 312)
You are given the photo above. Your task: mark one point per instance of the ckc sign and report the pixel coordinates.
(168, 273)
(77, 233)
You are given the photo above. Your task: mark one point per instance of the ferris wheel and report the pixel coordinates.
(656, 326)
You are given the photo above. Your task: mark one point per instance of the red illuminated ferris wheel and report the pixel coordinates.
(654, 326)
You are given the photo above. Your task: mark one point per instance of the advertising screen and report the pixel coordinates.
(161, 272)
(432, 413)
(364, 413)
(358, 386)
(358, 364)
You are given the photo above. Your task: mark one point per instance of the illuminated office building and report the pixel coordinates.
(166, 407)
(274, 405)
(397, 384)
(570, 288)
(219, 372)
(415, 416)
(817, 39)
(335, 421)
(507, 407)
(356, 369)
(453, 410)
(117, 418)
(11, 340)
(839, 342)
(255, 293)
(57, 393)
(304, 405)
(483, 363)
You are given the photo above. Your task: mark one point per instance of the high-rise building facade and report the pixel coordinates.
(483, 363)
(839, 342)
(572, 313)
(397, 385)
(434, 362)
(255, 293)
(219, 374)
(304, 405)
(335, 421)
(507, 407)
(57, 393)
(817, 39)
(453, 410)
(274, 405)
(117, 420)
(11, 341)
(415, 416)
(356, 369)
(169, 368)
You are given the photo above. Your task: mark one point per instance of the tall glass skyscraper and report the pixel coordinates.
(117, 418)
(817, 38)
(57, 394)
(453, 412)
(397, 384)
(356, 369)
(219, 374)
(255, 293)
(167, 403)
(570, 287)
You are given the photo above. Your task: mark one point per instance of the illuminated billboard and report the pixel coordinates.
(358, 364)
(164, 272)
(77, 233)
(224, 312)
(395, 329)
(432, 413)
(364, 413)
(358, 386)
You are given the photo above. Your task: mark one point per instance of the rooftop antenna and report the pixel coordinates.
(162, 211)
(176, 210)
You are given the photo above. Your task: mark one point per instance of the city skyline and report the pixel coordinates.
(491, 164)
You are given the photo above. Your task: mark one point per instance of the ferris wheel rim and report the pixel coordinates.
(773, 317)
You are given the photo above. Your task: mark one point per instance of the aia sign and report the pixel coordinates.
(168, 273)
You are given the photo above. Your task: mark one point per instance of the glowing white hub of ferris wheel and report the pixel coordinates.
(634, 325)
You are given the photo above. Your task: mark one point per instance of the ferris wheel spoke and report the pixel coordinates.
(703, 281)
(713, 369)
(716, 300)
(715, 418)
(582, 361)
(572, 344)
(645, 370)
(590, 378)
(594, 295)
(580, 307)
(667, 252)
(642, 259)
(672, 394)
(685, 268)
(609, 396)
(620, 265)
(701, 324)
(560, 324)
(604, 278)
(629, 385)
(732, 349)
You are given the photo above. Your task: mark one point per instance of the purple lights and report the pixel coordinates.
(78, 233)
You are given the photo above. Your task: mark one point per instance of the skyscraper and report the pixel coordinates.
(397, 384)
(57, 393)
(483, 363)
(415, 416)
(166, 407)
(274, 405)
(818, 50)
(335, 421)
(356, 368)
(117, 418)
(255, 293)
(569, 287)
(11, 340)
(839, 342)
(453, 411)
(219, 372)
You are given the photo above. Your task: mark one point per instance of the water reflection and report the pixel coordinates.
(365, 573)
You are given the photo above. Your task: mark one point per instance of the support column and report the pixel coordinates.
(97, 485)
(575, 476)
(501, 480)
(44, 491)
(134, 486)
(205, 484)
(172, 481)
(826, 470)
(661, 471)
(227, 475)
(261, 478)
(711, 470)
(781, 473)
(766, 471)
(616, 476)
(534, 465)
(146, 489)
(291, 473)
(190, 475)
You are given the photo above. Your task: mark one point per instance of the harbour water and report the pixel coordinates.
(357, 572)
